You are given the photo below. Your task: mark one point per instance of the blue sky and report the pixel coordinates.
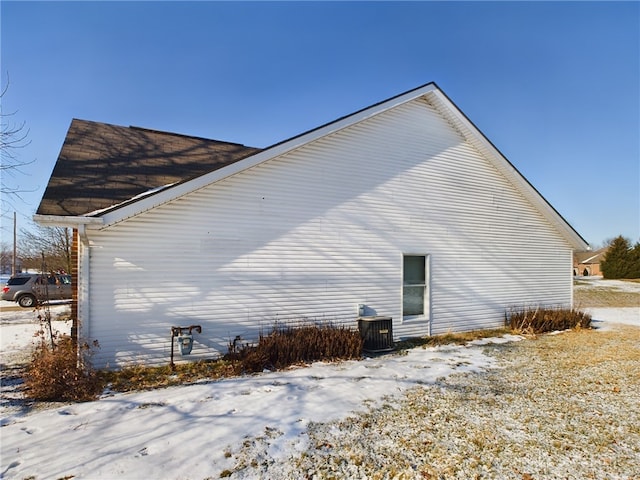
(555, 86)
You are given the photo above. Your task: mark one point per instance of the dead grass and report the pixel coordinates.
(590, 362)
(147, 378)
(604, 297)
(563, 406)
(450, 338)
(586, 294)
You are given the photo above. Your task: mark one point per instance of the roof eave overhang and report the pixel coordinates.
(69, 221)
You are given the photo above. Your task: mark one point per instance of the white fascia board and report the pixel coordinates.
(179, 190)
(481, 142)
(590, 258)
(66, 221)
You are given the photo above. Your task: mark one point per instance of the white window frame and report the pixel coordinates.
(426, 308)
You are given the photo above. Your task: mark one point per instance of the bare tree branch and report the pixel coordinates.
(13, 137)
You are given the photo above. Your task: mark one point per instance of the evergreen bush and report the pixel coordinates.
(621, 260)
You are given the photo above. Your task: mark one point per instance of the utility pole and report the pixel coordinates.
(13, 261)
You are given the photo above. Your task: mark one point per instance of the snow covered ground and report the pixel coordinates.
(191, 432)
(606, 316)
(18, 327)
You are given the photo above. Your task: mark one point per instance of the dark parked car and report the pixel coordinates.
(29, 289)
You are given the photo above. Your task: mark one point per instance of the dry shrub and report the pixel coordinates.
(288, 346)
(547, 319)
(56, 374)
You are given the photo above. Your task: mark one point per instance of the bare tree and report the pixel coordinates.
(13, 137)
(6, 259)
(54, 242)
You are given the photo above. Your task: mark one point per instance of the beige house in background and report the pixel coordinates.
(587, 264)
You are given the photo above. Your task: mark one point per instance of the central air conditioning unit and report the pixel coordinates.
(377, 333)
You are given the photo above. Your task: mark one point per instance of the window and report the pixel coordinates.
(414, 285)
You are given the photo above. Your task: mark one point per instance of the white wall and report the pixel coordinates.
(313, 233)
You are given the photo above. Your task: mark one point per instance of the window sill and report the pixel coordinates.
(414, 318)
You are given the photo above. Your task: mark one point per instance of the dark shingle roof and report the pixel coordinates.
(101, 165)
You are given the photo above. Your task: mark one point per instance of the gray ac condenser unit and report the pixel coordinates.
(377, 333)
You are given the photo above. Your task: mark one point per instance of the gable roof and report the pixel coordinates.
(590, 257)
(430, 91)
(102, 165)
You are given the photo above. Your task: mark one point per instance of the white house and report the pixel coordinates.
(403, 207)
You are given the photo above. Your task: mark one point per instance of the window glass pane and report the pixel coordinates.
(413, 301)
(414, 270)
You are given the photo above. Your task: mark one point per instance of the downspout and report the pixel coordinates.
(571, 280)
(81, 319)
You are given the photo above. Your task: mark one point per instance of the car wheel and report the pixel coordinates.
(27, 301)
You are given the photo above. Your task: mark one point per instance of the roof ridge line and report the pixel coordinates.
(174, 134)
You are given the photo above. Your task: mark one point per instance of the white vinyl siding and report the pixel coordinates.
(311, 234)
